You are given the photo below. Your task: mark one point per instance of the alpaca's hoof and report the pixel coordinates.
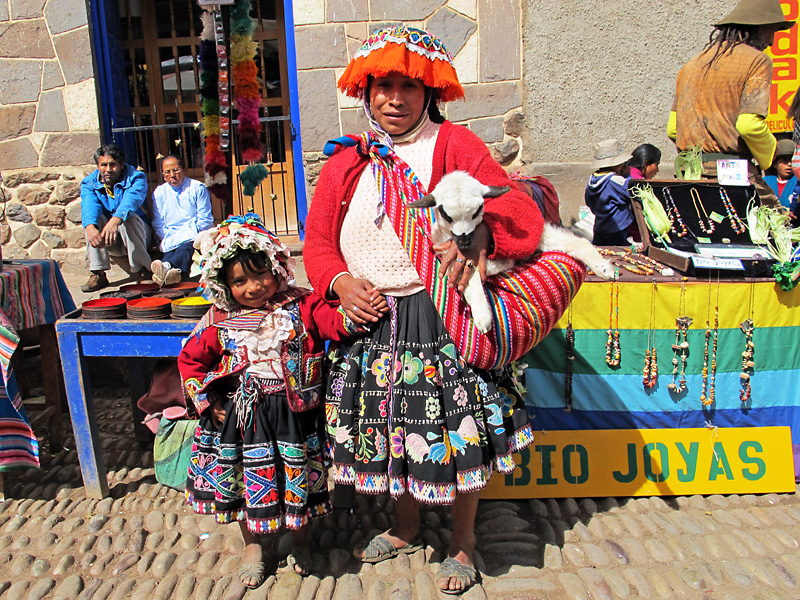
(604, 270)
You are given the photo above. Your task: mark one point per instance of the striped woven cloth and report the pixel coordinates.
(32, 293)
(527, 301)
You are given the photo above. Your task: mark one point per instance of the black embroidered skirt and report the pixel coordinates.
(405, 413)
(270, 473)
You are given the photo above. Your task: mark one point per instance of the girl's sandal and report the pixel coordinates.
(464, 574)
(252, 571)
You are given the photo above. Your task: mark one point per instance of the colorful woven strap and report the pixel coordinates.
(527, 301)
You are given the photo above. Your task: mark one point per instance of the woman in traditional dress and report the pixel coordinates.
(406, 413)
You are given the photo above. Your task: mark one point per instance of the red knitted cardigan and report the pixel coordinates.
(514, 219)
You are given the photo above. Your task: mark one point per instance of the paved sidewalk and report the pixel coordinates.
(144, 543)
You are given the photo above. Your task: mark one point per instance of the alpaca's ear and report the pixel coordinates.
(496, 190)
(425, 202)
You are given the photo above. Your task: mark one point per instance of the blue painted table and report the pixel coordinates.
(79, 338)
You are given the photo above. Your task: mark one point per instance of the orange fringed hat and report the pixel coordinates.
(408, 51)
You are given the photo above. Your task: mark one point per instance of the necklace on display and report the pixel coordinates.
(736, 222)
(570, 339)
(748, 364)
(650, 371)
(707, 396)
(613, 351)
(680, 349)
(697, 201)
(673, 214)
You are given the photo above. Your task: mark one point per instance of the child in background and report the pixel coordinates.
(607, 196)
(783, 182)
(253, 368)
(644, 162)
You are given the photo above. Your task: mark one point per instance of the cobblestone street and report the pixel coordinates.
(144, 543)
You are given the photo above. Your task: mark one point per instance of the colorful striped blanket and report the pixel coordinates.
(32, 293)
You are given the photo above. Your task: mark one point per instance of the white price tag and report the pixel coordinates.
(707, 262)
(732, 172)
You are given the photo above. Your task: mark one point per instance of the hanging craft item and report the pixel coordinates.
(748, 364)
(707, 395)
(570, 339)
(223, 89)
(246, 95)
(650, 371)
(216, 164)
(613, 351)
(680, 349)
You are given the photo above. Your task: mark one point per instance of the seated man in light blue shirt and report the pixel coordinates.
(181, 210)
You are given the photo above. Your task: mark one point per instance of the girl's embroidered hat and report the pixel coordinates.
(408, 51)
(216, 245)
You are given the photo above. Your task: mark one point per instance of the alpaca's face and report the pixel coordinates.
(463, 218)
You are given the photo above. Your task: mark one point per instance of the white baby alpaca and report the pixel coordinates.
(458, 199)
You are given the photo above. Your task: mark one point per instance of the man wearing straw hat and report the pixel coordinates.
(722, 94)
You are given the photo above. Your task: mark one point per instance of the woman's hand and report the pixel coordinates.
(218, 413)
(361, 300)
(461, 264)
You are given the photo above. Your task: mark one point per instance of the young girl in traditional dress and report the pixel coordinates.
(253, 368)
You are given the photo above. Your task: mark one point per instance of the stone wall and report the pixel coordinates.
(599, 70)
(48, 126)
(483, 36)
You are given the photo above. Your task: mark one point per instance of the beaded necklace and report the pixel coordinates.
(695, 195)
(736, 222)
(673, 214)
(680, 349)
(748, 364)
(613, 351)
(709, 378)
(570, 339)
(650, 371)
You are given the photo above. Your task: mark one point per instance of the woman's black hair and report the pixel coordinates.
(433, 107)
(251, 261)
(725, 37)
(644, 155)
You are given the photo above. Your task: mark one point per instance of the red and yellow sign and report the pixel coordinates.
(650, 462)
(785, 53)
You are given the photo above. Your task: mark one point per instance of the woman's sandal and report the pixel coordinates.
(380, 549)
(464, 574)
(252, 570)
(299, 562)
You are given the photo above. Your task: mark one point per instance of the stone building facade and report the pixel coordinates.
(48, 126)
(544, 81)
(483, 36)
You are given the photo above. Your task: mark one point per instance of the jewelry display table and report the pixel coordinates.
(606, 397)
(79, 338)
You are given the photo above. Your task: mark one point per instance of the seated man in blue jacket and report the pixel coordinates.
(113, 219)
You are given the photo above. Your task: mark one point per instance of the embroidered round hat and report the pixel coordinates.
(408, 51)
(236, 233)
(609, 153)
(757, 12)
